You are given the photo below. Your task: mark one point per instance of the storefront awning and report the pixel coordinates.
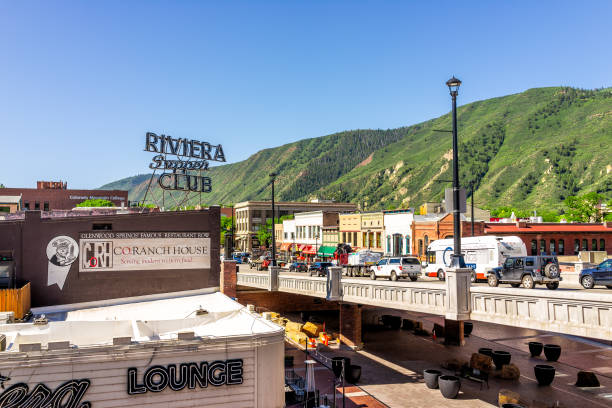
(285, 246)
(309, 250)
(326, 251)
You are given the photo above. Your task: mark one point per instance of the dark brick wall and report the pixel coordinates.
(28, 241)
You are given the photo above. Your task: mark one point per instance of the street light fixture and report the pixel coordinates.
(457, 261)
(273, 262)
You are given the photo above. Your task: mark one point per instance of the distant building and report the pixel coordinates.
(398, 232)
(557, 238)
(252, 215)
(350, 230)
(428, 228)
(55, 195)
(10, 203)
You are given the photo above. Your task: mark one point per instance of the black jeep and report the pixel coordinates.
(527, 271)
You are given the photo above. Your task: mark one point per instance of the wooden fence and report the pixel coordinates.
(16, 300)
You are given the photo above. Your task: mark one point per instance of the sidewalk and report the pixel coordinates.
(393, 361)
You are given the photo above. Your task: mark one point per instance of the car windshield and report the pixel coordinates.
(606, 264)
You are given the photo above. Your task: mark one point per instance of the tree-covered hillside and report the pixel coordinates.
(528, 150)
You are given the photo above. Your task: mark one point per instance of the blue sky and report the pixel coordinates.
(82, 82)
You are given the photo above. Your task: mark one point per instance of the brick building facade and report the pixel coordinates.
(558, 238)
(428, 228)
(55, 195)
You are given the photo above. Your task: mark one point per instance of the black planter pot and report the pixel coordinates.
(337, 365)
(467, 328)
(545, 374)
(353, 374)
(510, 405)
(449, 386)
(486, 351)
(431, 378)
(407, 324)
(535, 348)
(552, 352)
(501, 358)
(392, 322)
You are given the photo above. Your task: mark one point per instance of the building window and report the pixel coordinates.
(576, 246)
(37, 205)
(602, 244)
(426, 241)
(408, 251)
(534, 247)
(354, 239)
(561, 246)
(585, 245)
(27, 205)
(542, 245)
(46, 206)
(389, 243)
(594, 245)
(552, 246)
(420, 247)
(378, 244)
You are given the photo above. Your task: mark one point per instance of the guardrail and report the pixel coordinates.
(581, 313)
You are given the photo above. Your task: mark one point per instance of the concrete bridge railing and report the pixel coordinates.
(581, 313)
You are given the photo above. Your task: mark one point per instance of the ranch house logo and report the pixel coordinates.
(62, 251)
(178, 178)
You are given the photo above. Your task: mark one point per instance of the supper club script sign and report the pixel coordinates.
(187, 155)
(129, 251)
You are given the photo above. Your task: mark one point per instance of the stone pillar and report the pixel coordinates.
(228, 278)
(458, 304)
(334, 283)
(274, 272)
(350, 325)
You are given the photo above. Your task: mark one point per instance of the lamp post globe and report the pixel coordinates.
(457, 261)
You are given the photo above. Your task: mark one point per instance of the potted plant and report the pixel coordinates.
(467, 328)
(431, 378)
(552, 352)
(449, 386)
(535, 348)
(545, 374)
(501, 358)
(353, 374)
(486, 351)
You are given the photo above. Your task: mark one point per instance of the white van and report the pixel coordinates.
(479, 253)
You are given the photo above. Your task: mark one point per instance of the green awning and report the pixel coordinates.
(326, 251)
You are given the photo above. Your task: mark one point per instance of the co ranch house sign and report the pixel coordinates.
(186, 155)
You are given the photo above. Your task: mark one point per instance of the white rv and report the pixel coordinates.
(480, 253)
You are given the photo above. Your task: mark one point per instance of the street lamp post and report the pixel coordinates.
(457, 262)
(273, 177)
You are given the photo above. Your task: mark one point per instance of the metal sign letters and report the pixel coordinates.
(198, 155)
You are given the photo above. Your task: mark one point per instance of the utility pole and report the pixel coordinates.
(273, 177)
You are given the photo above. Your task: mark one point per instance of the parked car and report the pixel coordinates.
(298, 267)
(527, 271)
(599, 275)
(240, 257)
(319, 268)
(397, 267)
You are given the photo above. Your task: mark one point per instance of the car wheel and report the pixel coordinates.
(492, 281)
(441, 274)
(609, 286)
(515, 285)
(552, 285)
(527, 282)
(413, 278)
(393, 276)
(372, 275)
(551, 270)
(587, 282)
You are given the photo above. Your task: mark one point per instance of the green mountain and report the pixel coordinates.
(528, 150)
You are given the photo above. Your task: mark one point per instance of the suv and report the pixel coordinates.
(319, 268)
(298, 267)
(397, 267)
(599, 275)
(527, 271)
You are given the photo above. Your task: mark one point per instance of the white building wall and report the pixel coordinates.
(307, 225)
(288, 230)
(397, 223)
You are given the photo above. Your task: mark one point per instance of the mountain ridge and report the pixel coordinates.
(530, 150)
